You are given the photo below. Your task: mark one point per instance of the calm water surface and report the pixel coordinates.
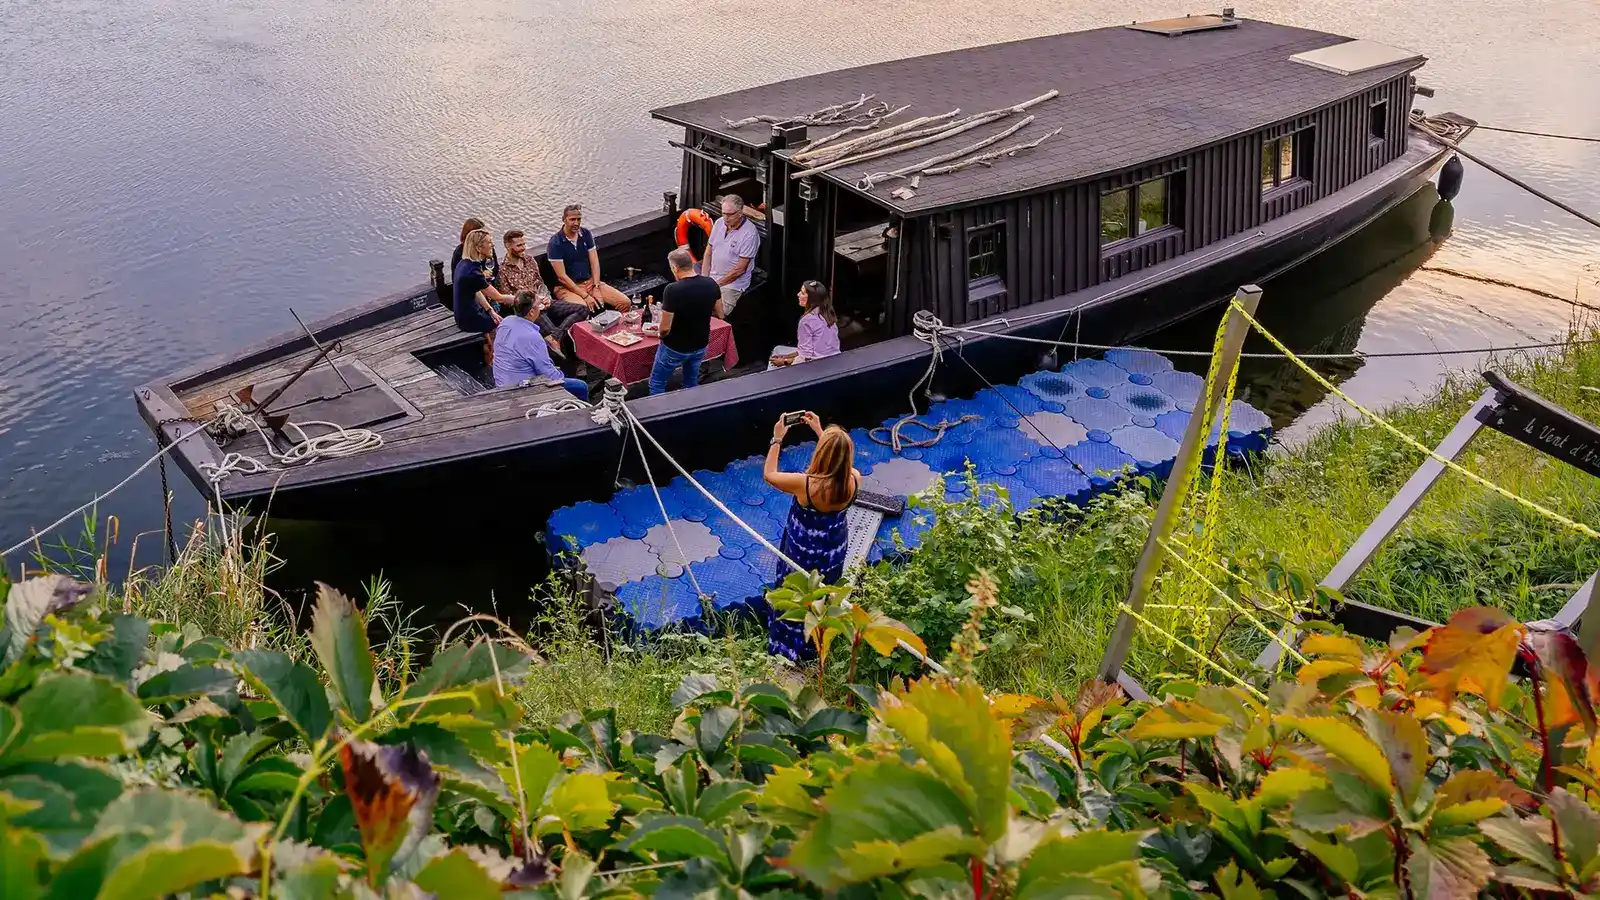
(175, 176)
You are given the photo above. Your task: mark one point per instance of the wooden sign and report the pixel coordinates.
(1526, 417)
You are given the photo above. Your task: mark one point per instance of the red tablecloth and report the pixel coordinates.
(632, 363)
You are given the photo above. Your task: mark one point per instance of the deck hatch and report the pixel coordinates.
(320, 395)
(1355, 57)
(1185, 25)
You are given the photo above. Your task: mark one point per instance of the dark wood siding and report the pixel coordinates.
(1052, 238)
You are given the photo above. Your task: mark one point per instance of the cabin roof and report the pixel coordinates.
(1127, 98)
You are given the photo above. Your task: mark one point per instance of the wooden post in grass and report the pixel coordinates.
(1191, 451)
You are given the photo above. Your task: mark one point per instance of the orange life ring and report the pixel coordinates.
(697, 217)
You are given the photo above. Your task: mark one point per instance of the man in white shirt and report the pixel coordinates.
(731, 252)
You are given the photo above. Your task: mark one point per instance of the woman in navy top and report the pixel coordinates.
(475, 293)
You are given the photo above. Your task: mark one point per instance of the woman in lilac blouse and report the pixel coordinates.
(818, 330)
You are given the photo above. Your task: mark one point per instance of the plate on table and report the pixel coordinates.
(624, 338)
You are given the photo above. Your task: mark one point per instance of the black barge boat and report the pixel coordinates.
(1099, 184)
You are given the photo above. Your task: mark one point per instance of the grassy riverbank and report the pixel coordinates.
(1060, 573)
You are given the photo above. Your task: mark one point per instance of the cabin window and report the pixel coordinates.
(986, 253)
(1135, 210)
(1378, 121)
(1283, 161)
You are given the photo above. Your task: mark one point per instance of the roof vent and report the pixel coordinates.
(1353, 57)
(1186, 24)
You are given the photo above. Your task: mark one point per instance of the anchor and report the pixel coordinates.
(274, 422)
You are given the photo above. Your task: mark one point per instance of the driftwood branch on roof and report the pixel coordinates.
(868, 182)
(905, 131)
(985, 159)
(970, 123)
(868, 126)
(837, 114)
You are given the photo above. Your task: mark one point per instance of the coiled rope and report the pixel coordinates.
(337, 443)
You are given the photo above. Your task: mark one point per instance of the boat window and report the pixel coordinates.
(1278, 162)
(1135, 210)
(986, 253)
(1113, 216)
(1378, 121)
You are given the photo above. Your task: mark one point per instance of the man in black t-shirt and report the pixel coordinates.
(687, 306)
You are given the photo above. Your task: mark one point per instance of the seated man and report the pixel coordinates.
(520, 272)
(687, 306)
(520, 354)
(573, 256)
(731, 252)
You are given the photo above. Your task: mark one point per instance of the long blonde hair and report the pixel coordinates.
(832, 462)
(469, 245)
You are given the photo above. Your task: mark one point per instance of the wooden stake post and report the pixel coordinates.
(1191, 451)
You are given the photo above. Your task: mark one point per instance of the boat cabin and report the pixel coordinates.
(1155, 140)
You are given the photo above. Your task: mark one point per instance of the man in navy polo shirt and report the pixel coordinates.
(576, 262)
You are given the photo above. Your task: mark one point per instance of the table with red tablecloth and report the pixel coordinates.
(632, 364)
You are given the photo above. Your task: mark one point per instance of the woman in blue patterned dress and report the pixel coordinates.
(815, 535)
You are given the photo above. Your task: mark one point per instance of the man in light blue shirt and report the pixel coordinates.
(731, 252)
(521, 354)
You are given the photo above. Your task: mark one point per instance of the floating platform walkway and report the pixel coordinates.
(1068, 434)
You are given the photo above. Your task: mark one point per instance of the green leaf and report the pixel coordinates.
(536, 766)
(76, 714)
(317, 879)
(676, 837)
(27, 605)
(1282, 786)
(876, 800)
(1345, 743)
(723, 798)
(117, 656)
(691, 687)
(1339, 859)
(1526, 876)
(268, 775)
(21, 852)
(1323, 811)
(1447, 868)
(833, 720)
(765, 696)
(71, 797)
(457, 876)
(188, 680)
(953, 729)
(713, 729)
(1058, 859)
(460, 665)
(582, 802)
(1525, 839)
(1580, 829)
(339, 637)
(293, 687)
(877, 859)
(159, 870)
(1235, 884)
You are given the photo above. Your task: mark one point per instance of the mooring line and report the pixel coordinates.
(1412, 442)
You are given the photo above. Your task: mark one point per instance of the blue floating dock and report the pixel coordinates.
(1066, 435)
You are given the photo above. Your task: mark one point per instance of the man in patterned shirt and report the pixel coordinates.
(520, 272)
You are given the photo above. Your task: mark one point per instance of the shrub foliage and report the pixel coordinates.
(141, 760)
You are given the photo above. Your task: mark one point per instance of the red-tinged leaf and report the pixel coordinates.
(392, 791)
(1562, 662)
(1177, 720)
(1468, 796)
(1473, 653)
(1401, 739)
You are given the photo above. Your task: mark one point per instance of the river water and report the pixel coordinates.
(174, 177)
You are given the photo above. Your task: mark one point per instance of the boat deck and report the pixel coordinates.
(431, 407)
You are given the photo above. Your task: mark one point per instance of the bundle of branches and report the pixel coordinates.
(820, 151)
(856, 110)
(963, 158)
(862, 150)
